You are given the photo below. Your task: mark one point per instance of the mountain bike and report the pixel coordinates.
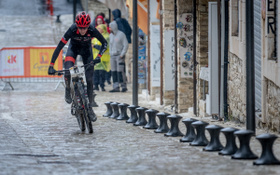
(80, 103)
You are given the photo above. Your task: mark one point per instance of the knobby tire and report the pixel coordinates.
(78, 113)
(86, 107)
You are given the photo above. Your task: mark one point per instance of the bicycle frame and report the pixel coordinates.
(80, 103)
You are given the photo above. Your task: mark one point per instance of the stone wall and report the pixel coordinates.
(236, 89)
(272, 112)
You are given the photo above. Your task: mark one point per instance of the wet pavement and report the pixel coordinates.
(38, 135)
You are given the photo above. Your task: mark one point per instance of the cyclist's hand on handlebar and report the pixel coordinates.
(97, 60)
(51, 70)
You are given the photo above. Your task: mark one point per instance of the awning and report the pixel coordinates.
(142, 13)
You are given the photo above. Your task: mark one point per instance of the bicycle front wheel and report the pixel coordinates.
(86, 108)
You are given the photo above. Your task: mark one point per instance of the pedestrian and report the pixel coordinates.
(123, 24)
(108, 74)
(80, 33)
(101, 68)
(93, 23)
(100, 19)
(118, 48)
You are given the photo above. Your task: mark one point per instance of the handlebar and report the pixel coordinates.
(62, 72)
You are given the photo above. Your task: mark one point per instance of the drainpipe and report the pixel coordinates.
(219, 55)
(194, 58)
(250, 68)
(149, 51)
(226, 62)
(161, 53)
(175, 59)
(135, 56)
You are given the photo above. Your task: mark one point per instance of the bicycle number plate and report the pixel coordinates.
(76, 71)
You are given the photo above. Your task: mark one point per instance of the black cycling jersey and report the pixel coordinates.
(79, 41)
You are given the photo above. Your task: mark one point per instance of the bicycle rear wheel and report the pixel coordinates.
(86, 107)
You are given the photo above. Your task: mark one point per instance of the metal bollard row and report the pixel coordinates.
(195, 132)
(133, 114)
(115, 108)
(230, 147)
(123, 108)
(152, 124)
(109, 109)
(190, 134)
(174, 130)
(200, 138)
(141, 117)
(163, 127)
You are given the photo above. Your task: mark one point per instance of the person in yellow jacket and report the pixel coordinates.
(101, 68)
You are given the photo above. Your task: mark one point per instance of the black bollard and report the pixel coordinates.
(230, 147)
(109, 109)
(133, 114)
(190, 134)
(244, 151)
(115, 108)
(214, 144)
(267, 156)
(141, 117)
(163, 127)
(200, 138)
(58, 19)
(152, 124)
(123, 108)
(174, 130)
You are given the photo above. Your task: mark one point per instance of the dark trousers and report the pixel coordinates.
(99, 78)
(108, 76)
(71, 55)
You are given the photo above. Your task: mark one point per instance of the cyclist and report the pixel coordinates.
(80, 33)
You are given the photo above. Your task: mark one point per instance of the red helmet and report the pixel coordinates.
(83, 20)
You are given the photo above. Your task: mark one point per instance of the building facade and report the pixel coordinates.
(210, 49)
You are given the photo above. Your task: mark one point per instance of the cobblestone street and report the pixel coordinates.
(39, 135)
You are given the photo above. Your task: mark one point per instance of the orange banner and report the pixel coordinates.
(16, 62)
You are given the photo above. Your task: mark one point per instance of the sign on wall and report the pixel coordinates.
(185, 39)
(169, 66)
